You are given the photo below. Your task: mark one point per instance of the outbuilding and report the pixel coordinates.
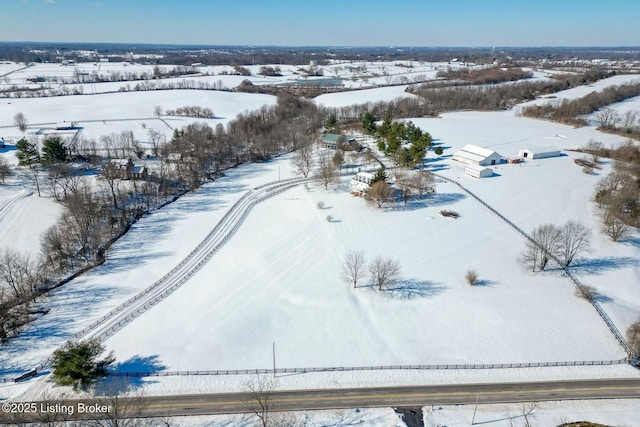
(539, 152)
(478, 171)
(474, 155)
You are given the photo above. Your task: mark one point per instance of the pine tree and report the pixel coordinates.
(27, 153)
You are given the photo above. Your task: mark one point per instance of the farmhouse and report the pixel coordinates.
(478, 171)
(361, 183)
(474, 155)
(330, 140)
(539, 152)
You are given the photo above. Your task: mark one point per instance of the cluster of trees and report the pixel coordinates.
(382, 271)
(192, 111)
(403, 141)
(573, 111)
(412, 183)
(618, 194)
(485, 75)
(20, 284)
(498, 97)
(627, 124)
(270, 71)
(562, 244)
(97, 212)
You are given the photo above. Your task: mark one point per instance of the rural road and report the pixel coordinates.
(415, 396)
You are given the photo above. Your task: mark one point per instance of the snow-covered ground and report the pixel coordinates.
(278, 280)
(608, 412)
(363, 96)
(92, 112)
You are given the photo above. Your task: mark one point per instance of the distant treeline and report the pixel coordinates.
(573, 111)
(480, 76)
(241, 55)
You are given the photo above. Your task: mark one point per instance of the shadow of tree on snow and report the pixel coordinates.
(411, 288)
(601, 265)
(118, 384)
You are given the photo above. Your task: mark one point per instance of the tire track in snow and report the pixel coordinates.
(7, 206)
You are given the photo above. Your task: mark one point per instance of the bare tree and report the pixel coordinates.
(423, 182)
(528, 413)
(157, 140)
(259, 399)
(123, 411)
(612, 225)
(5, 169)
(544, 244)
(303, 160)
(607, 118)
(404, 184)
(354, 267)
(575, 239)
(20, 120)
(326, 170)
(633, 340)
(594, 148)
(379, 194)
(384, 271)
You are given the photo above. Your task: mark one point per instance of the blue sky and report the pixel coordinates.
(326, 22)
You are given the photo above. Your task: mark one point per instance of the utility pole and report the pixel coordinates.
(274, 357)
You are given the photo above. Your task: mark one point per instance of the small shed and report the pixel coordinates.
(478, 171)
(539, 152)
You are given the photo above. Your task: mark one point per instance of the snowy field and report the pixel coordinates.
(278, 280)
(91, 112)
(363, 96)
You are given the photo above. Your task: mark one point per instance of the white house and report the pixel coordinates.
(539, 152)
(361, 183)
(474, 155)
(478, 171)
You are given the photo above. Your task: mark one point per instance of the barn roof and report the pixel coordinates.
(540, 150)
(475, 153)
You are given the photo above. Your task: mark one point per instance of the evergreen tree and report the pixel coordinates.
(53, 151)
(332, 122)
(368, 122)
(77, 364)
(27, 153)
(381, 175)
(438, 151)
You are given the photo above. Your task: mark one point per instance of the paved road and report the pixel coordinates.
(229, 403)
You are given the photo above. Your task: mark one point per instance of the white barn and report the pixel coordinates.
(538, 152)
(474, 155)
(478, 171)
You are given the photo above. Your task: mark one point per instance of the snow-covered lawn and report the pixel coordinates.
(608, 412)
